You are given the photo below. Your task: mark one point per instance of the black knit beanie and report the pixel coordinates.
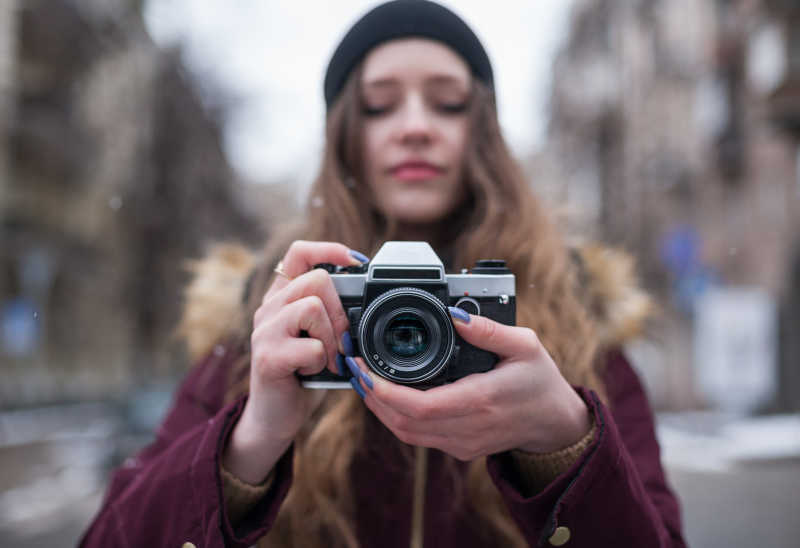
(399, 19)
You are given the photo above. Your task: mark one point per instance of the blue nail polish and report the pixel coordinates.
(351, 363)
(357, 387)
(347, 344)
(359, 256)
(367, 380)
(459, 314)
(340, 364)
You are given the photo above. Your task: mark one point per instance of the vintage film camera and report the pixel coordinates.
(399, 322)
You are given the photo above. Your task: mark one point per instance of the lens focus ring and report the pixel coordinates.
(406, 335)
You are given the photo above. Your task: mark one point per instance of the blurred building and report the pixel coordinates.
(111, 174)
(675, 133)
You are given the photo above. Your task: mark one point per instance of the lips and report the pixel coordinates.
(415, 171)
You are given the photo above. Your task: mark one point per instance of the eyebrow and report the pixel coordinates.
(437, 81)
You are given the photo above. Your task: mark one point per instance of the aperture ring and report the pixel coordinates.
(383, 364)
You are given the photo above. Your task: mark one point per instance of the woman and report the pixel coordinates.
(554, 446)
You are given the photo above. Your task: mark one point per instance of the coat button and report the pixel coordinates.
(188, 545)
(560, 536)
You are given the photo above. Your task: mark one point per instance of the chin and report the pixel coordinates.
(416, 211)
(419, 217)
(418, 207)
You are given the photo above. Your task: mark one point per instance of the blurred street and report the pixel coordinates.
(737, 484)
(134, 135)
(737, 480)
(55, 463)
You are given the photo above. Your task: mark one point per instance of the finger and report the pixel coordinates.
(307, 314)
(504, 340)
(464, 437)
(303, 255)
(304, 356)
(317, 282)
(403, 428)
(452, 400)
(441, 428)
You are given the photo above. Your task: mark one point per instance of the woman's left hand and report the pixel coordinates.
(523, 403)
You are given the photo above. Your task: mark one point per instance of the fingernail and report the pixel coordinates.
(340, 364)
(357, 387)
(351, 363)
(357, 372)
(347, 344)
(360, 257)
(459, 314)
(367, 380)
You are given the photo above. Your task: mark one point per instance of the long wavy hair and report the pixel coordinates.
(499, 218)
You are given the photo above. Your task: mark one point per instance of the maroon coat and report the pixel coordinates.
(614, 495)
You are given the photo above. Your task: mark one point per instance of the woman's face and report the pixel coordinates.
(415, 95)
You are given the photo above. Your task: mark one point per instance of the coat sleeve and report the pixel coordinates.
(171, 492)
(616, 493)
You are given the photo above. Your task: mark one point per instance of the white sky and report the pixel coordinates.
(273, 54)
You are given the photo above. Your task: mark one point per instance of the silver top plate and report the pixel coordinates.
(406, 255)
(481, 285)
(420, 255)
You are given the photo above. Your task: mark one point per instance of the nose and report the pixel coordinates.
(415, 122)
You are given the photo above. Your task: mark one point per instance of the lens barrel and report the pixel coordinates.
(406, 335)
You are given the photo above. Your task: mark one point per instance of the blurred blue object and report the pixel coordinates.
(19, 321)
(680, 250)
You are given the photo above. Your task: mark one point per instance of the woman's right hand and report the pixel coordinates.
(304, 301)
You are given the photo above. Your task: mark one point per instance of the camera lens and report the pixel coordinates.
(406, 336)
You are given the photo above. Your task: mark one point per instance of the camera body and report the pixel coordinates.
(399, 321)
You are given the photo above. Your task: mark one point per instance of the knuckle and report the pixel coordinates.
(314, 305)
(296, 246)
(401, 423)
(340, 321)
(487, 398)
(425, 411)
(317, 278)
(259, 364)
(292, 249)
(259, 333)
(318, 353)
(268, 299)
(262, 313)
(338, 315)
(489, 330)
(532, 339)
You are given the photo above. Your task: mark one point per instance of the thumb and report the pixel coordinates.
(504, 340)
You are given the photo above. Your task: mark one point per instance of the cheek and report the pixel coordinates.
(457, 142)
(372, 149)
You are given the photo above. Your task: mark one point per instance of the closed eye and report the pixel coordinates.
(374, 111)
(453, 108)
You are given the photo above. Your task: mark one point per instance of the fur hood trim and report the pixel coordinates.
(213, 297)
(620, 306)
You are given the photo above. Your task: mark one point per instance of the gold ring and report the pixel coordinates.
(279, 270)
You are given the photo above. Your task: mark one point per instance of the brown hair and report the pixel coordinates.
(500, 218)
